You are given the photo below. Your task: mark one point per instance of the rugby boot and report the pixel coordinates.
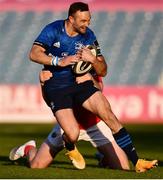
(19, 151)
(76, 158)
(143, 165)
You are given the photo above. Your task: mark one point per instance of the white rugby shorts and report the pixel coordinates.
(98, 135)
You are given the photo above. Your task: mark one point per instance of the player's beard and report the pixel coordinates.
(81, 29)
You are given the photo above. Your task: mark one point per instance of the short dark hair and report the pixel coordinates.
(77, 6)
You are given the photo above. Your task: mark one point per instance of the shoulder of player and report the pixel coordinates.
(89, 32)
(55, 25)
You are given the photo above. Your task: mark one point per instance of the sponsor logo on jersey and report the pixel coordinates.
(56, 44)
(78, 45)
(133, 149)
(64, 54)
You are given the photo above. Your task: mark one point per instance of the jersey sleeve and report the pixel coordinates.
(46, 38)
(94, 42)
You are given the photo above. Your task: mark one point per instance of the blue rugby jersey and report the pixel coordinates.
(57, 42)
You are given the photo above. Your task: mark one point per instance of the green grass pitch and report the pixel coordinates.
(148, 140)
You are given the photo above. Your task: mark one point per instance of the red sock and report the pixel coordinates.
(27, 149)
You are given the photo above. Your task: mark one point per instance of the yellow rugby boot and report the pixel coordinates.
(143, 165)
(76, 158)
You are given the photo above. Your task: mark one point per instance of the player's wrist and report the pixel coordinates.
(60, 63)
(56, 61)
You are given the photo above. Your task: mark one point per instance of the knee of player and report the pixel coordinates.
(73, 137)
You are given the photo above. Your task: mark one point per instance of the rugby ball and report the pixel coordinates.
(83, 67)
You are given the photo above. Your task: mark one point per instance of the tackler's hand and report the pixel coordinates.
(44, 76)
(85, 77)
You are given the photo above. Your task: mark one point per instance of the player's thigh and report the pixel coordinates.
(43, 157)
(68, 123)
(97, 103)
(114, 156)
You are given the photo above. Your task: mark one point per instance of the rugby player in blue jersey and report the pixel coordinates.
(92, 130)
(60, 45)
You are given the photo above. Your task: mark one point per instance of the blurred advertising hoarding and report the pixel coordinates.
(131, 104)
(136, 104)
(23, 103)
(95, 5)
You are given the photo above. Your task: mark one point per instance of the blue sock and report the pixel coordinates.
(123, 139)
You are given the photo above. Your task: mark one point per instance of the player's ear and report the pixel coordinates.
(71, 19)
